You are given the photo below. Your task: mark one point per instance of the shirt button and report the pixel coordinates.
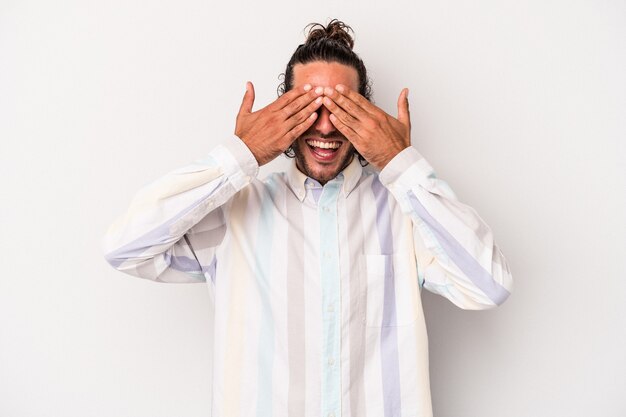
(331, 414)
(331, 361)
(330, 308)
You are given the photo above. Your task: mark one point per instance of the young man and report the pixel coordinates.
(316, 273)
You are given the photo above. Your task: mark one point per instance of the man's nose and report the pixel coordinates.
(323, 124)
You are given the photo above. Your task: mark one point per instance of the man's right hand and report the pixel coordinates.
(271, 130)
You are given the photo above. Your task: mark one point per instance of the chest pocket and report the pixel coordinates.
(390, 293)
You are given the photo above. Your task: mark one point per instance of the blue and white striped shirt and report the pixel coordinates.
(316, 290)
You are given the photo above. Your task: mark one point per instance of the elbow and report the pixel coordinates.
(487, 294)
(489, 291)
(120, 264)
(109, 252)
(497, 302)
(113, 260)
(482, 304)
(125, 264)
(146, 268)
(502, 296)
(121, 257)
(504, 282)
(495, 286)
(113, 257)
(498, 293)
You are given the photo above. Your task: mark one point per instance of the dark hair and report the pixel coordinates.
(330, 43)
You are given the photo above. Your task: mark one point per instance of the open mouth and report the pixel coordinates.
(323, 150)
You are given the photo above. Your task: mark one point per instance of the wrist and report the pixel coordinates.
(390, 155)
(243, 154)
(256, 153)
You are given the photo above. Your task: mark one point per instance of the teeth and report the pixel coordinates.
(324, 145)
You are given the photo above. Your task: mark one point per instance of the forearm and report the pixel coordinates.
(165, 209)
(455, 249)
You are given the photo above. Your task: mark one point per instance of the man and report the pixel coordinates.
(316, 273)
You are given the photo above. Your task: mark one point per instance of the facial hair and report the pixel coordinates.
(307, 170)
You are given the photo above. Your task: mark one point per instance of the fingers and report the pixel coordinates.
(289, 96)
(299, 129)
(356, 98)
(347, 131)
(346, 103)
(248, 99)
(404, 115)
(342, 115)
(302, 101)
(302, 115)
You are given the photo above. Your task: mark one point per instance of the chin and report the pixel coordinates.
(322, 164)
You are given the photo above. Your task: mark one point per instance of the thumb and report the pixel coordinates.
(248, 99)
(404, 115)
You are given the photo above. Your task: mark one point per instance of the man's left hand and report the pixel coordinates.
(375, 134)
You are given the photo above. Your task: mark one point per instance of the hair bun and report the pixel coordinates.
(336, 31)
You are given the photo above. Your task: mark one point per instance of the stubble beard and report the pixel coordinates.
(322, 178)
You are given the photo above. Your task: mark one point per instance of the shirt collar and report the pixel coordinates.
(350, 177)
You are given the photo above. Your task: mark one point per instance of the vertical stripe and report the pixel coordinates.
(275, 262)
(356, 327)
(295, 308)
(263, 255)
(238, 277)
(330, 279)
(389, 338)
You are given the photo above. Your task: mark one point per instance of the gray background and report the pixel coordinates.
(518, 105)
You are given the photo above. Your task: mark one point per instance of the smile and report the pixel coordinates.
(323, 150)
(323, 145)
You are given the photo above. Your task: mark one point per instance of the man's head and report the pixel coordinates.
(325, 59)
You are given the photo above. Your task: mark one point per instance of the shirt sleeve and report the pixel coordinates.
(455, 250)
(174, 224)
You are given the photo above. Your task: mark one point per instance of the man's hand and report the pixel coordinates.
(272, 129)
(376, 135)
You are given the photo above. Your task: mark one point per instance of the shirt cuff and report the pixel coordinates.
(405, 169)
(240, 165)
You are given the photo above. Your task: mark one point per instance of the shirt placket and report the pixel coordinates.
(331, 290)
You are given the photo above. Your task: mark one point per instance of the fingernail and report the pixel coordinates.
(339, 88)
(318, 100)
(319, 90)
(326, 100)
(328, 91)
(407, 93)
(307, 87)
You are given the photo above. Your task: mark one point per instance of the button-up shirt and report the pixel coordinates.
(316, 290)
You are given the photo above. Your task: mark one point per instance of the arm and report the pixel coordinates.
(456, 253)
(155, 238)
(185, 209)
(455, 250)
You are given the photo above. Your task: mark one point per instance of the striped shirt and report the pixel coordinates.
(316, 290)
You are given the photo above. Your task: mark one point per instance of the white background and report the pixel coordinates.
(518, 105)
